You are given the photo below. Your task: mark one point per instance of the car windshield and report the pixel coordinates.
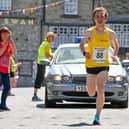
(73, 55)
(69, 55)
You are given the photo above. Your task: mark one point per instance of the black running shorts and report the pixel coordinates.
(96, 70)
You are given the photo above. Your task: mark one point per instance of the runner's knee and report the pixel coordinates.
(91, 93)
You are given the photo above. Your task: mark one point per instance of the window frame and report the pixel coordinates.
(7, 5)
(71, 4)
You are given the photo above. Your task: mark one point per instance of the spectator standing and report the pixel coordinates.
(44, 52)
(14, 75)
(7, 49)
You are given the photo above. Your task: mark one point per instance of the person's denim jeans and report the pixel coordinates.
(5, 80)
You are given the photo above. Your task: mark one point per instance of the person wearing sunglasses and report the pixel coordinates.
(97, 40)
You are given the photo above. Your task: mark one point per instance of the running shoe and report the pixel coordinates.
(36, 98)
(96, 120)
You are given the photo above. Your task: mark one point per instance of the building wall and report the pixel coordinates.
(56, 15)
(28, 32)
(116, 8)
(26, 29)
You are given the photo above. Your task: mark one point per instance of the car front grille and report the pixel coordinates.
(79, 79)
(84, 94)
(80, 94)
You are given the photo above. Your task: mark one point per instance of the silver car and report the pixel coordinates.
(65, 79)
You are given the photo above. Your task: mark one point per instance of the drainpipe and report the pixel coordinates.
(93, 6)
(44, 11)
(43, 20)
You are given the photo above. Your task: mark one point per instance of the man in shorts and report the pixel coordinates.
(94, 46)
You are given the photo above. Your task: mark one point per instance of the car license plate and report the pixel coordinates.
(80, 88)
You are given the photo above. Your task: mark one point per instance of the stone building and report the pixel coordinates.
(31, 19)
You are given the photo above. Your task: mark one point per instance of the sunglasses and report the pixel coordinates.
(99, 16)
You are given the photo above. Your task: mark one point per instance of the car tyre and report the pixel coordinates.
(49, 103)
(123, 104)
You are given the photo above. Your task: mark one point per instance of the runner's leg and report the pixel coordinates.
(101, 80)
(91, 84)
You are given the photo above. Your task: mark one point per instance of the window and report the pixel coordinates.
(82, 30)
(63, 30)
(73, 30)
(67, 33)
(122, 33)
(70, 7)
(5, 4)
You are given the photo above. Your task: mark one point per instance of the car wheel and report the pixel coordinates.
(123, 104)
(49, 103)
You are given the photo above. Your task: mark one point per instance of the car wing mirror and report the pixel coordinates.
(45, 61)
(125, 63)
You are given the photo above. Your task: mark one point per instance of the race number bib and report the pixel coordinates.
(99, 54)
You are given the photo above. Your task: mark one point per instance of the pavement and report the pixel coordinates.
(26, 114)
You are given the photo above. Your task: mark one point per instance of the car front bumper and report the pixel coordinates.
(78, 92)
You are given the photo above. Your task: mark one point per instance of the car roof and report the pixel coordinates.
(73, 45)
(68, 45)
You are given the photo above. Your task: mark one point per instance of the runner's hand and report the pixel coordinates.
(87, 55)
(114, 58)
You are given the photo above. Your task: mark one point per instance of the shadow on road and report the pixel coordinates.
(79, 124)
(74, 105)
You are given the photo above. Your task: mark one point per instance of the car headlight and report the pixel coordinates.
(57, 77)
(110, 78)
(119, 79)
(66, 78)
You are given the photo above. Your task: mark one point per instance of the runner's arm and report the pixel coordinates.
(85, 40)
(84, 43)
(114, 43)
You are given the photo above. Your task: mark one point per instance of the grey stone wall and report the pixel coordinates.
(27, 29)
(27, 39)
(26, 34)
(56, 15)
(116, 8)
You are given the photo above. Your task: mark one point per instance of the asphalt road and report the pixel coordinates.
(26, 114)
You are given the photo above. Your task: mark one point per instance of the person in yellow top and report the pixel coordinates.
(95, 46)
(13, 74)
(44, 52)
